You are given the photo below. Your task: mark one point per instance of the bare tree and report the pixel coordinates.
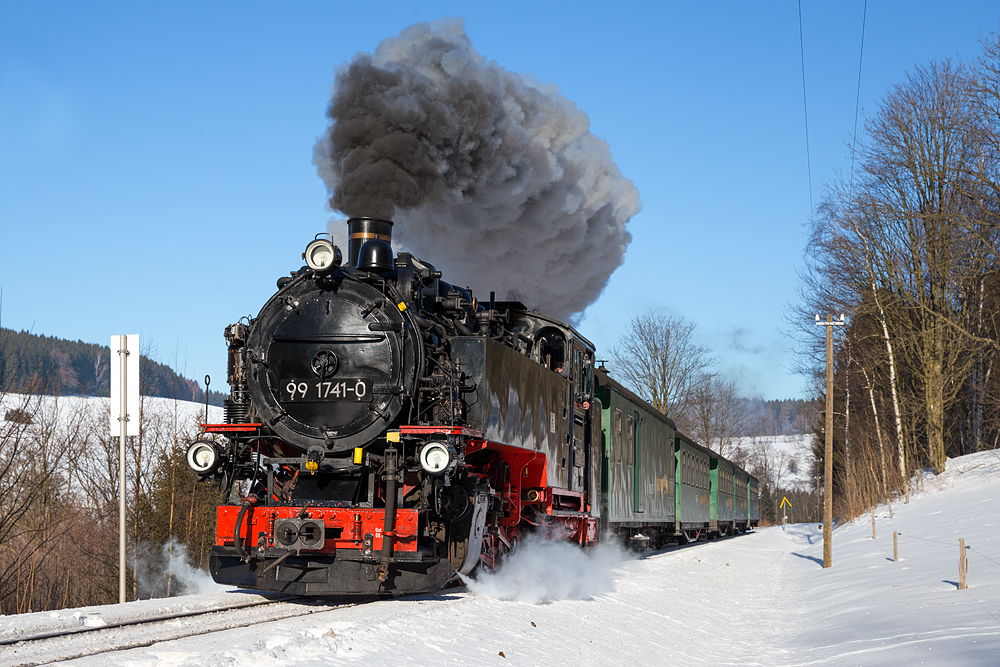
(660, 360)
(909, 246)
(768, 464)
(717, 416)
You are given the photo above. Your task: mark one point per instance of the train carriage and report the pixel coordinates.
(723, 483)
(692, 498)
(637, 464)
(753, 502)
(742, 508)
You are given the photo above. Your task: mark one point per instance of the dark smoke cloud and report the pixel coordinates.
(493, 177)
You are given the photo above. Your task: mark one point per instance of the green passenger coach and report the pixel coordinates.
(637, 475)
(693, 493)
(753, 502)
(723, 497)
(657, 484)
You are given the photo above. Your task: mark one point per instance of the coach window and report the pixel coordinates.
(670, 472)
(630, 442)
(616, 438)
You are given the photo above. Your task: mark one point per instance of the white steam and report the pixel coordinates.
(493, 177)
(167, 572)
(540, 571)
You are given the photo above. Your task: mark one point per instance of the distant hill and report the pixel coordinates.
(47, 365)
(787, 417)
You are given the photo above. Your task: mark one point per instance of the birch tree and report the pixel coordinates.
(909, 245)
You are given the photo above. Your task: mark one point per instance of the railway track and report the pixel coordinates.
(66, 643)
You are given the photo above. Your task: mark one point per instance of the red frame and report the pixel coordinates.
(352, 523)
(566, 513)
(229, 428)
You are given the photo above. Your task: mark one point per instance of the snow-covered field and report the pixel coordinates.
(69, 412)
(758, 599)
(790, 458)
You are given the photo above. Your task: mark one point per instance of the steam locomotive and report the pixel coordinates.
(386, 431)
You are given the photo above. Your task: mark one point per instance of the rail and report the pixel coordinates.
(78, 642)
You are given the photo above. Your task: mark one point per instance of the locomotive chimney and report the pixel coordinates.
(361, 230)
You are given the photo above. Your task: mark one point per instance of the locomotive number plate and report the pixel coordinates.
(312, 390)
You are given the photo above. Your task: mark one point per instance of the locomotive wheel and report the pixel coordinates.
(496, 546)
(456, 553)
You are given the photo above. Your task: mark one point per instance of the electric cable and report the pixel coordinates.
(857, 98)
(805, 109)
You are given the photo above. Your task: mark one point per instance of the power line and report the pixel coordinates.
(857, 99)
(805, 109)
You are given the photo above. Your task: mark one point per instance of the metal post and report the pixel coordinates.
(123, 420)
(828, 450)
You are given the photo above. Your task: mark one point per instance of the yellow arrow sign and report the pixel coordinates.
(784, 499)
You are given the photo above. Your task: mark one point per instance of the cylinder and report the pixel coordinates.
(391, 468)
(360, 230)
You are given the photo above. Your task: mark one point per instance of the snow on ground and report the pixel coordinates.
(757, 599)
(69, 411)
(789, 454)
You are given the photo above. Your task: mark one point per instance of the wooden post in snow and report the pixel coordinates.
(963, 566)
(895, 547)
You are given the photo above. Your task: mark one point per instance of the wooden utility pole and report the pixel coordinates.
(828, 450)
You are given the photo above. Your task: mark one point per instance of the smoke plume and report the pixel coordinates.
(167, 571)
(493, 177)
(540, 571)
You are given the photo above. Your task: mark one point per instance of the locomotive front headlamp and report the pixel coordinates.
(203, 456)
(437, 457)
(322, 256)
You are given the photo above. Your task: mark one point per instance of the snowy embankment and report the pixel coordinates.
(757, 599)
(64, 414)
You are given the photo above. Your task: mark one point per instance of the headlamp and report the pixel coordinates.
(322, 256)
(203, 456)
(437, 457)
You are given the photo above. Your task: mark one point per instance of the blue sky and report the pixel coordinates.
(156, 174)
